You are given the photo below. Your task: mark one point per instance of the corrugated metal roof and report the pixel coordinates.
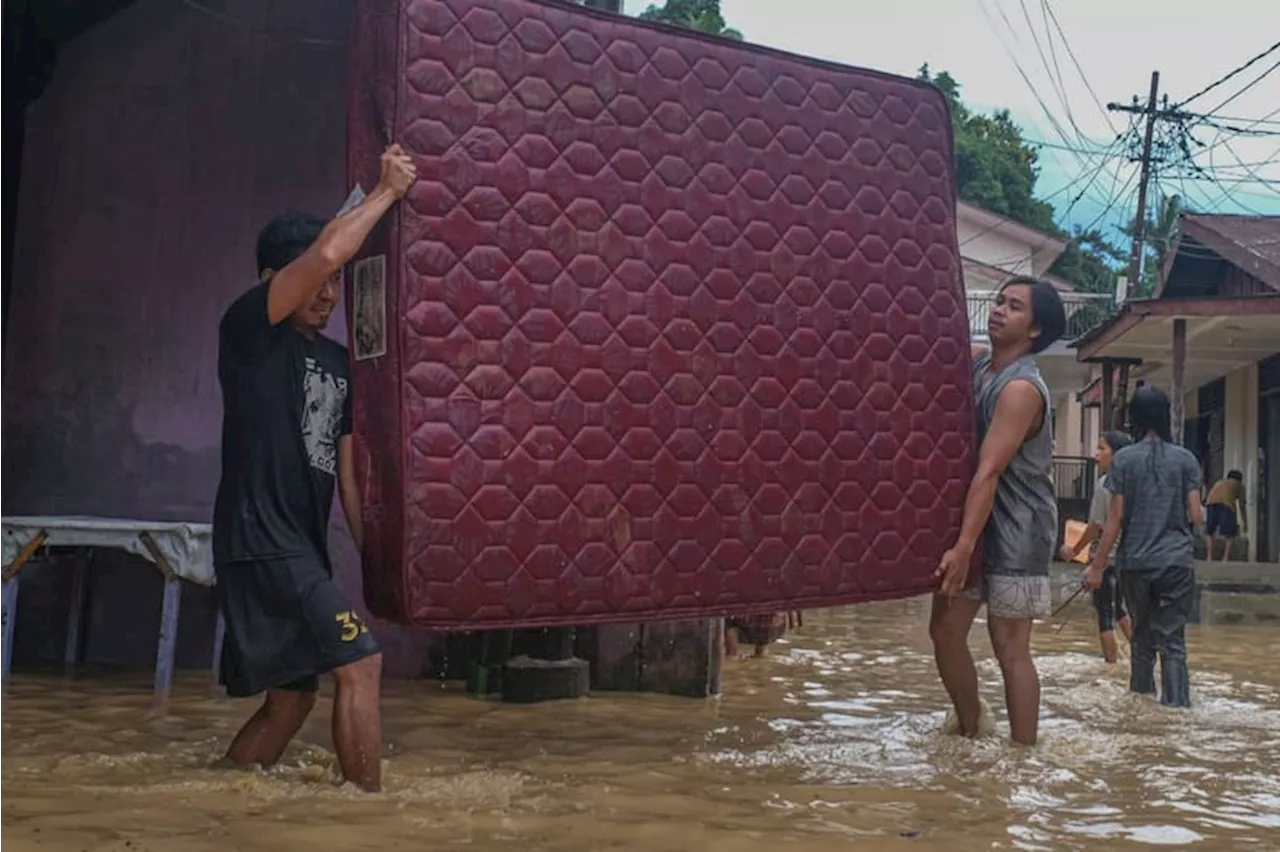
(1250, 242)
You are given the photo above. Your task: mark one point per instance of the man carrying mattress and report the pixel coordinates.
(286, 439)
(1009, 510)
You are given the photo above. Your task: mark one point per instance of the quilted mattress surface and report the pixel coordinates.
(670, 326)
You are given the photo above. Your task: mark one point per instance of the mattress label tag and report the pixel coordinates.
(369, 328)
(353, 198)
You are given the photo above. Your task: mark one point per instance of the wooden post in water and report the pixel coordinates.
(613, 653)
(1178, 392)
(485, 657)
(682, 657)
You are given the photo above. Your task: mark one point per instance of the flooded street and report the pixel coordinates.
(833, 737)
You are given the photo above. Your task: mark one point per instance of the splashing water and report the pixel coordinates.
(835, 735)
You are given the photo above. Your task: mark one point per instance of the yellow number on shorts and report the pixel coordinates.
(352, 626)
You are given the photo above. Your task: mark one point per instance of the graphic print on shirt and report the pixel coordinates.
(324, 395)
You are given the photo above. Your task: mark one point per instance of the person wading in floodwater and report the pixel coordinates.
(1009, 509)
(1107, 598)
(286, 437)
(1155, 487)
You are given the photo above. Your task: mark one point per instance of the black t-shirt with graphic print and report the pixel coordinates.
(286, 401)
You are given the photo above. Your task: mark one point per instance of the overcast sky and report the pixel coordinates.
(1118, 43)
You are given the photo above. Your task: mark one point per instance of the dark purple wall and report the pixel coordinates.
(166, 139)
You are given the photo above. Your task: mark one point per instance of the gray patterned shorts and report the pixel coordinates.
(1013, 595)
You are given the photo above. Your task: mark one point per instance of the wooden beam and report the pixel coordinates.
(1122, 396)
(1230, 306)
(1132, 314)
(1114, 359)
(24, 555)
(162, 562)
(1122, 324)
(1179, 390)
(1108, 398)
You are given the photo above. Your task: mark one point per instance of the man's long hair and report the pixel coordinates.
(1149, 417)
(1047, 313)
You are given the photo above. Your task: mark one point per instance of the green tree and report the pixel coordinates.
(1089, 261)
(703, 15)
(997, 168)
(1161, 231)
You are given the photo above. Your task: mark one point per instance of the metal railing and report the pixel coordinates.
(1084, 311)
(1073, 483)
(1074, 477)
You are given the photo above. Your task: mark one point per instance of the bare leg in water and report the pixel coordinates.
(1011, 641)
(357, 722)
(265, 736)
(1110, 649)
(731, 642)
(949, 624)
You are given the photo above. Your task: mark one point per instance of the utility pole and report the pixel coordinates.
(1140, 225)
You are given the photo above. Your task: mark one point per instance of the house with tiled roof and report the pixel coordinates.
(1210, 335)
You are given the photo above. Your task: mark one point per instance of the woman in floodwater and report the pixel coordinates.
(1155, 486)
(1107, 598)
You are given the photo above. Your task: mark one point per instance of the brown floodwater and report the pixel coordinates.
(832, 738)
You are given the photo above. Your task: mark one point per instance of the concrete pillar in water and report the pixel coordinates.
(547, 671)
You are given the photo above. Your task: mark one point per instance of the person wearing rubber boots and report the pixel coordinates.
(1155, 503)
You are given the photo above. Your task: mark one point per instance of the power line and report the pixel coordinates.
(1170, 142)
(1048, 11)
(1085, 160)
(1098, 150)
(1140, 221)
(1250, 85)
(1224, 78)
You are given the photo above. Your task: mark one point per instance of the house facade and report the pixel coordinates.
(1210, 335)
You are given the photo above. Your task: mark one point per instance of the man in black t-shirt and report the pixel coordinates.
(286, 441)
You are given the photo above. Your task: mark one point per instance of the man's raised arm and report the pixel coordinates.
(298, 283)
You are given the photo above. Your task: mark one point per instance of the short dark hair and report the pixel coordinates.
(1236, 475)
(285, 238)
(1047, 311)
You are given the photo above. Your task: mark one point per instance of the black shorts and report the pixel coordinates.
(1220, 520)
(287, 623)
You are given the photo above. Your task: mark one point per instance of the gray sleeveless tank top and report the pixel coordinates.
(1023, 529)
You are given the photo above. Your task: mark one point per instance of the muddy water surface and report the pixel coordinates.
(832, 738)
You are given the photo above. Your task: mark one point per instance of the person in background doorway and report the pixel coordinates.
(1107, 598)
(286, 441)
(1009, 509)
(1223, 506)
(1155, 487)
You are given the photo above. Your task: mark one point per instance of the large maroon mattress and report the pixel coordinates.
(673, 326)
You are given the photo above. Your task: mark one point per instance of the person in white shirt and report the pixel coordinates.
(1107, 598)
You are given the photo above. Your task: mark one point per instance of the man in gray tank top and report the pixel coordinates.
(1010, 513)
